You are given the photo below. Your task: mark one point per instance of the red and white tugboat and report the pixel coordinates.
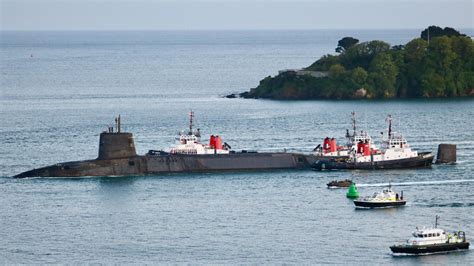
(329, 148)
(395, 153)
(189, 142)
(432, 240)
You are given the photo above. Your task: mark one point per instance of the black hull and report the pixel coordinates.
(174, 163)
(429, 248)
(423, 160)
(367, 204)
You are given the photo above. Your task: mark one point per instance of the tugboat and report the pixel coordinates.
(189, 142)
(384, 199)
(329, 148)
(432, 240)
(394, 154)
(339, 183)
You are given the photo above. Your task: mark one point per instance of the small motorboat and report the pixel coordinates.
(339, 183)
(383, 199)
(432, 240)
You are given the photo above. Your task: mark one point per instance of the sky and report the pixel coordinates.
(233, 14)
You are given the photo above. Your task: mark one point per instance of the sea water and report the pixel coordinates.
(59, 90)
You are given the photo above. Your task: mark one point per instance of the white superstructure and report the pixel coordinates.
(189, 143)
(394, 147)
(429, 236)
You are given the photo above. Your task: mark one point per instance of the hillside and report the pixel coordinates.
(438, 64)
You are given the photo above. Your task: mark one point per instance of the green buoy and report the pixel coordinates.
(352, 193)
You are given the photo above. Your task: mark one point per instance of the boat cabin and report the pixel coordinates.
(362, 137)
(395, 141)
(427, 236)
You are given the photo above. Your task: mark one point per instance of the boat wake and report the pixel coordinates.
(432, 182)
(451, 205)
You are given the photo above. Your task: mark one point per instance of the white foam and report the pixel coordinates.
(429, 182)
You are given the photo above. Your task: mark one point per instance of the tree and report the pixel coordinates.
(345, 43)
(398, 47)
(336, 70)
(359, 76)
(441, 53)
(363, 53)
(383, 74)
(435, 31)
(462, 67)
(415, 50)
(432, 85)
(415, 63)
(324, 63)
(375, 47)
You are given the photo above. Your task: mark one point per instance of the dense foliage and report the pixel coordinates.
(441, 66)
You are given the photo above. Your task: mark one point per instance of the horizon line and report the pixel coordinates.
(261, 29)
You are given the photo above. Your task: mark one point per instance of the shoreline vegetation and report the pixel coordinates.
(439, 64)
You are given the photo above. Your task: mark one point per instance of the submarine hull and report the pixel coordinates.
(423, 160)
(174, 163)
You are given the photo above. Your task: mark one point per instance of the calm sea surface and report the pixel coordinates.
(59, 90)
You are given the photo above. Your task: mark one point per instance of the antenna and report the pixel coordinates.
(191, 116)
(365, 120)
(389, 119)
(436, 221)
(354, 122)
(399, 119)
(117, 125)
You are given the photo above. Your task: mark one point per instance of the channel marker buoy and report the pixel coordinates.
(352, 193)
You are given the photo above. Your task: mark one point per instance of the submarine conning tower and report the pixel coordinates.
(116, 144)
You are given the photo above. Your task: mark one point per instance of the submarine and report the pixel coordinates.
(117, 157)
